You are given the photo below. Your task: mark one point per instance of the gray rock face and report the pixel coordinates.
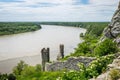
(70, 64)
(113, 29)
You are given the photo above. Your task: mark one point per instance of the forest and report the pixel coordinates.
(7, 28)
(104, 52)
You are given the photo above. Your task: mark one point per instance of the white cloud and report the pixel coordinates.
(104, 2)
(57, 10)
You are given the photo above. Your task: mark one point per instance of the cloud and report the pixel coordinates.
(10, 0)
(57, 10)
(104, 2)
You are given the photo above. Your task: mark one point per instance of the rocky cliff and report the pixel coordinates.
(112, 32)
(113, 29)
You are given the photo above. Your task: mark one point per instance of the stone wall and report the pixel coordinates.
(70, 64)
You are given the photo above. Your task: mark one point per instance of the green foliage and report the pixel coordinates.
(95, 29)
(81, 35)
(73, 75)
(91, 38)
(38, 68)
(7, 28)
(3, 76)
(83, 48)
(51, 75)
(98, 66)
(25, 72)
(19, 68)
(7, 77)
(11, 77)
(106, 47)
(93, 70)
(41, 76)
(28, 70)
(114, 74)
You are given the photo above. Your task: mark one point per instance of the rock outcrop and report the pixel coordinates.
(113, 29)
(112, 32)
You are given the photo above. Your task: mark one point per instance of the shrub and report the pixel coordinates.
(3, 76)
(11, 77)
(106, 47)
(83, 48)
(38, 67)
(114, 74)
(73, 75)
(81, 35)
(19, 68)
(29, 70)
(98, 66)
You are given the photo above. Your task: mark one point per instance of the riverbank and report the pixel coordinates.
(8, 28)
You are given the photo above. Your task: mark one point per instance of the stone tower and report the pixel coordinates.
(45, 54)
(61, 52)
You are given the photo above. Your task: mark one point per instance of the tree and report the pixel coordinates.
(29, 70)
(11, 77)
(19, 68)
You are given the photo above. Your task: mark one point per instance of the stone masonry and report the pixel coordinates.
(61, 52)
(70, 64)
(45, 57)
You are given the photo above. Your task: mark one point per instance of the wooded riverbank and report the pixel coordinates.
(7, 28)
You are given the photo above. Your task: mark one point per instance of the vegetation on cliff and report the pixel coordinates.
(7, 28)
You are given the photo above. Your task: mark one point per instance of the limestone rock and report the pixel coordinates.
(113, 29)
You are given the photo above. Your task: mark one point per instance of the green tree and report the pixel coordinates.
(11, 77)
(3, 76)
(19, 68)
(29, 70)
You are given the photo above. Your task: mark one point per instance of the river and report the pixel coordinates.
(27, 46)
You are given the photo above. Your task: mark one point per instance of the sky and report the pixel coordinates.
(57, 10)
